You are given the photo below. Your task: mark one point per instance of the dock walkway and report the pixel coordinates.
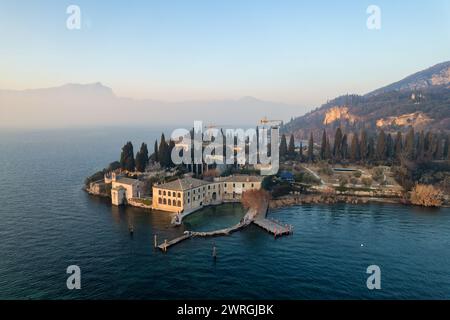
(256, 216)
(274, 227)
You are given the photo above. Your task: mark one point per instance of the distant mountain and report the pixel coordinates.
(438, 75)
(96, 104)
(421, 100)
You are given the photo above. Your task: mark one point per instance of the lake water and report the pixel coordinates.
(48, 223)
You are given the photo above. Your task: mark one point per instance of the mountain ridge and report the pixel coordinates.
(421, 101)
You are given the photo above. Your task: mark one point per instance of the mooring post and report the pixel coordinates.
(165, 245)
(155, 241)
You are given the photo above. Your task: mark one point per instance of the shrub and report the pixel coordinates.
(426, 196)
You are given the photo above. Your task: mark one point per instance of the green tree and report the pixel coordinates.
(363, 145)
(398, 145)
(337, 149)
(410, 145)
(311, 148)
(447, 147)
(163, 152)
(142, 158)
(344, 147)
(283, 146)
(354, 149)
(323, 145)
(389, 147)
(291, 146)
(371, 149)
(300, 153)
(381, 146)
(155, 152)
(127, 157)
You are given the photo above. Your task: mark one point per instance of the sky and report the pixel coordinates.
(297, 52)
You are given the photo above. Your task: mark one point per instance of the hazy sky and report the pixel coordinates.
(300, 52)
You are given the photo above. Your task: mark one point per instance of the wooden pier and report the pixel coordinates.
(167, 244)
(258, 218)
(276, 228)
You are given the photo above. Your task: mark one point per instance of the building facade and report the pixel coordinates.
(123, 189)
(189, 194)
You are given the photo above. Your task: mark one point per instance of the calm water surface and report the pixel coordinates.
(47, 223)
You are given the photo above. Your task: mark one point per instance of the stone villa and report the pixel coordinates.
(189, 194)
(123, 189)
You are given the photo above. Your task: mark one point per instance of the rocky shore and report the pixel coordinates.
(295, 200)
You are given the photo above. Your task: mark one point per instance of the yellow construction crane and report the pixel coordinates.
(265, 121)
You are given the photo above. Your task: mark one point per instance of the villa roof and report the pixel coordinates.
(128, 181)
(243, 178)
(182, 184)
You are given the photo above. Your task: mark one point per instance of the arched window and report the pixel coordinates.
(169, 202)
(164, 201)
(179, 203)
(179, 195)
(159, 200)
(164, 193)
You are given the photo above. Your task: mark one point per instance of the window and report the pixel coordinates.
(209, 187)
(159, 192)
(225, 185)
(164, 201)
(243, 185)
(179, 203)
(164, 193)
(159, 200)
(179, 195)
(253, 185)
(234, 185)
(169, 202)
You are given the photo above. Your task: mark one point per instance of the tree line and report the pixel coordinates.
(139, 162)
(377, 147)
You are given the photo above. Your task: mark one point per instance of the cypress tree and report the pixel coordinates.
(163, 152)
(363, 145)
(323, 145)
(328, 149)
(344, 147)
(446, 147)
(409, 144)
(283, 146)
(291, 147)
(311, 148)
(155, 152)
(127, 157)
(142, 158)
(354, 149)
(398, 145)
(337, 151)
(381, 146)
(389, 147)
(421, 148)
(301, 151)
(371, 149)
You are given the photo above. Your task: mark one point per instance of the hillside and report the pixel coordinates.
(421, 100)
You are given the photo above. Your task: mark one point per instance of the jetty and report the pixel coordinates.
(274, 227)
(257, 216)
